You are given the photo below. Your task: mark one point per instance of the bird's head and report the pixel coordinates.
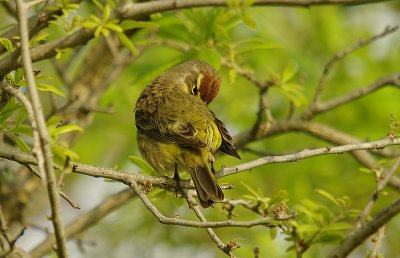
(199, 79)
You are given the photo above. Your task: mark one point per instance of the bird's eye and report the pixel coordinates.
(195, 89)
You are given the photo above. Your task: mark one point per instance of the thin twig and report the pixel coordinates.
(377, 239)
(85, 220)
(320, 107)
(355, 239)
(71, 202)
(195, 224)
(306, 154)
(4, 233)
(360, 43)
(379, 188)
(42, 139)
(193, 205)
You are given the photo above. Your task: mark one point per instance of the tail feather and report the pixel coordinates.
(207, 187)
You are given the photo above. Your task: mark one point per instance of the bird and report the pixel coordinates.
(176, 129)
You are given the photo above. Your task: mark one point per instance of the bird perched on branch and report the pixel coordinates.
(175, 127)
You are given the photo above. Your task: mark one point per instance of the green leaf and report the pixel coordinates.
(337, 226)
(248, 20)
(105, 32)
(20, 143)
(106, 13)
(328, 196)
(97, 32)
(18, 76)
(130, 24)
(95, 19)
(365, 170)
(329, 238)
(143, 165)
(98, 4)
(65, 129)
(89, 24)
(307, 228)
(47, 87)
(114, 27)
(23, 129)
(127, 43)
(40, 37)
(7, 44)
(294, 92)
(289, 71)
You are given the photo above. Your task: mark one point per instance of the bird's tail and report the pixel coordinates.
(207, 187)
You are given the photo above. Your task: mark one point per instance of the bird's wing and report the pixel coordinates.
(227, 142)
(180, 133)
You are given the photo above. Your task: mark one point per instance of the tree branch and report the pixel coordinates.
(328, 67)
(170, 184)
(390, 80)
(382, 182)
(132, 9)
(306, 154)
(367, 230)
(193, 205)
(42, 139)
(140, 10)
(85, 221)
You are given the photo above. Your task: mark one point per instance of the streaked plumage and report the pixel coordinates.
(176, 127)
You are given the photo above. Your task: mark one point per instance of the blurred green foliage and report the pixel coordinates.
(287, 45)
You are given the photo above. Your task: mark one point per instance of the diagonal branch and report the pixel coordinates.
(328, 67)
(366, 231)
(202, 224)
(382, 182)
(390, 80)
(85, 221)
(193, 205)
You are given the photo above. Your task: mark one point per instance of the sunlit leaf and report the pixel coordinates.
(337, 226)
(106, 13)
(131, 24)
(89, 24)
(47, 87)
(127, 43)
(65, 129)
(328, 196)
(98, 4)
(7, 44)
(248, 20)
(289, 71)
(21, 144)
(331, 237)
(23, 129)
(307, 228)
(114, 27)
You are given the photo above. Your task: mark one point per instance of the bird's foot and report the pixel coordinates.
(178, 182)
